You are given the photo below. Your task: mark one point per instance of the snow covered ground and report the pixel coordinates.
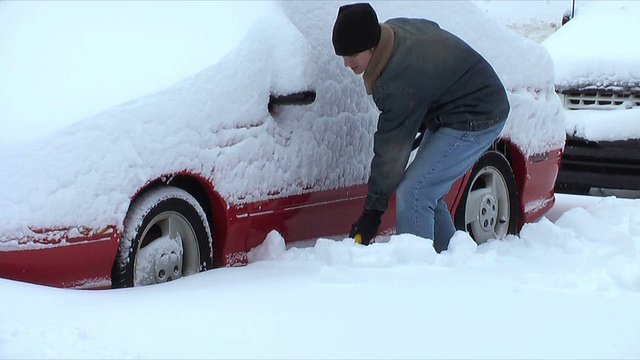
(568, 287)
(534, 19)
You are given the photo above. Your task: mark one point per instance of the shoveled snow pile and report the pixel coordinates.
(599, 243)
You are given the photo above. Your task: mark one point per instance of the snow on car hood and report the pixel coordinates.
(215, 122)
(604, 125)
(598, 48)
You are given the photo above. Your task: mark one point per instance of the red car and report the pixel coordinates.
(194, 176)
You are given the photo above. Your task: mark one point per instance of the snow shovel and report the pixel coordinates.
(416, 143)
(358, 239)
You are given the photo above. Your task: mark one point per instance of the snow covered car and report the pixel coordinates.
(273, 134)
(598, 79)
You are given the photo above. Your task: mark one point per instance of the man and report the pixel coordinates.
(420, 76)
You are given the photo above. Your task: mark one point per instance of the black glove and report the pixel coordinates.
(367, 225)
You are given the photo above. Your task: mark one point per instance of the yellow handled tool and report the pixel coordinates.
(358, 239)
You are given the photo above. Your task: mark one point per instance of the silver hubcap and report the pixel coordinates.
(488, 213)
(168, 250)
(487, 208)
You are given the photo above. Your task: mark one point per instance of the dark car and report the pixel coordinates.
(597, 66)
(606, 163)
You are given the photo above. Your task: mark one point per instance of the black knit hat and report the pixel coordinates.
(356, 29)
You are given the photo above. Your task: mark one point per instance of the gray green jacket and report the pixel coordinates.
(421, 75)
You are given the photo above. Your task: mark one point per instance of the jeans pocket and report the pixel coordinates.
(487, 136)
(472, 135)
(461, 135)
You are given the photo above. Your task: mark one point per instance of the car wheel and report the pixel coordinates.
(165, 237)
(489, 207)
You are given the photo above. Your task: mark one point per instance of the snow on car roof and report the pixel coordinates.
(595, 47)
(213, 119)
(63, 61)
(72, 61)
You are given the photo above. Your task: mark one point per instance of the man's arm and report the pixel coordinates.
(399, 121)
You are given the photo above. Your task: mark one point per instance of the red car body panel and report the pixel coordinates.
(63, 257)
(535, 178)
(68, 257)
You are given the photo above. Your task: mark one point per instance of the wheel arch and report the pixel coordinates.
(506, 149)
(206, 196)
(495, 158)
(517, 160)
(524, 167)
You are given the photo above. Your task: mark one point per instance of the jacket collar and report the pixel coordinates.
(379, 58)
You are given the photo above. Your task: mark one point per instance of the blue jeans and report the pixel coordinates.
(444, 156)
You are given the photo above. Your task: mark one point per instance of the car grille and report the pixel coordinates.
(606, 164)
(604, 100)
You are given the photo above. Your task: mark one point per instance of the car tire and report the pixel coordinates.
(166, 236)
(489, 207)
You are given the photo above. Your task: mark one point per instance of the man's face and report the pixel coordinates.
(358, 62)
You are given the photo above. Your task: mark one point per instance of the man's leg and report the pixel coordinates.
(443, 156)
(443, 228)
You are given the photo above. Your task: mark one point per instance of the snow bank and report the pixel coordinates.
(568, 289)
(533, 19)
(595, 248)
